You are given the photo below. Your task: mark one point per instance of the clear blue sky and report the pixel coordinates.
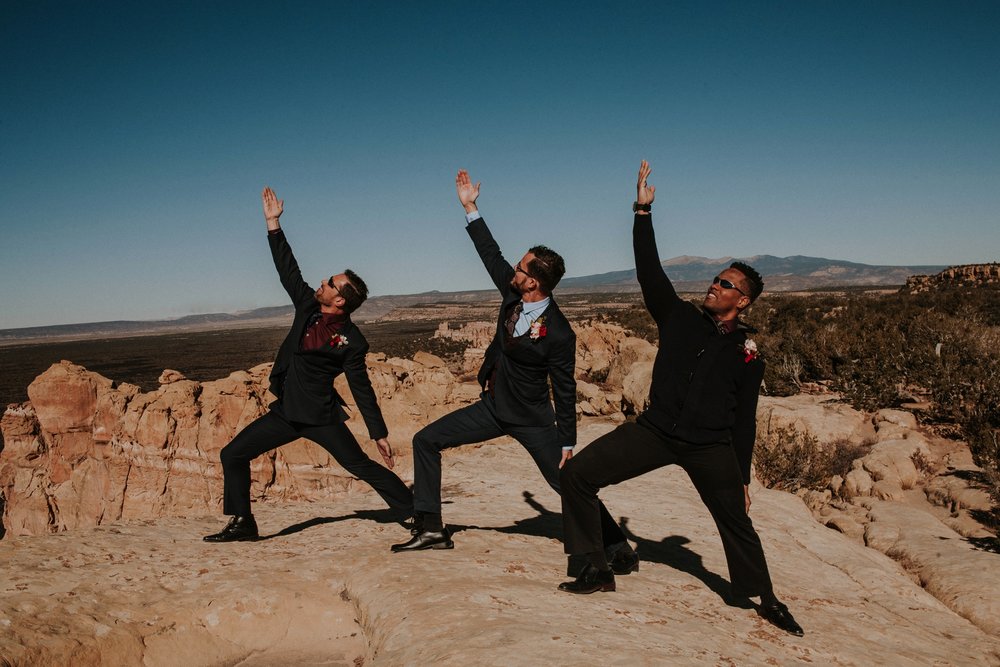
(135, 138)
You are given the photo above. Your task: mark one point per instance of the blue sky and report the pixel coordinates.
(135, 139)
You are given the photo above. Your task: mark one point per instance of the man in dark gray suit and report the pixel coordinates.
(533, 346)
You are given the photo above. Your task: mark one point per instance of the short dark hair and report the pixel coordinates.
(754, 280)
(547, 267)
(354, 291)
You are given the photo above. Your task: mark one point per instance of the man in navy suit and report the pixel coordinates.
(322, 344)
(533, 346)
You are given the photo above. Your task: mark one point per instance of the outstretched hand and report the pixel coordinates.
(467, 192)
(273, 207)
(385, 449)
(644, 194)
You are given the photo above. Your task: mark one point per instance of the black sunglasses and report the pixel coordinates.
(332, 286)
(517, 268)
(727, 285)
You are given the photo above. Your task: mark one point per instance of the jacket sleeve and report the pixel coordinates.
(561, 367)
(500, 270)
(658, 293)
(745, 426)
(356, 371)
(288, 270)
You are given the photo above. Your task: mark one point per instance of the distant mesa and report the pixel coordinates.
(965, 275)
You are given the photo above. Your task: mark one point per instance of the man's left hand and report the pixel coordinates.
(746, 496)
(385, 449)
(567, 455)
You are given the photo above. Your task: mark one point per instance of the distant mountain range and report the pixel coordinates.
(688, 274)
(781, 274)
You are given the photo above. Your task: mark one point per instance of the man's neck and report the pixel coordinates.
(533, 296)
(334, 312)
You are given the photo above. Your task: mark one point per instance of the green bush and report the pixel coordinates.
(789, 459)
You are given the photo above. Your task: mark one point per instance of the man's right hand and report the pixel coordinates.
(644, 194)
(467, 192)
(273, 207)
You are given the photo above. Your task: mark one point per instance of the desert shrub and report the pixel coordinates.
(789, 459)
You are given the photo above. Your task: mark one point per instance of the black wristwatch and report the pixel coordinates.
(636, 206)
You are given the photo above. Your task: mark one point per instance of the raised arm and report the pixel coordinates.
(284, 261)
(500, 270)
(657, 291)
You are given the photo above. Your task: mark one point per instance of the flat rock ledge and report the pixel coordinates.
(324, 589)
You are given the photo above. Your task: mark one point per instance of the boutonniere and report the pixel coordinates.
(538, 329)
(749, 351)
(338, 340)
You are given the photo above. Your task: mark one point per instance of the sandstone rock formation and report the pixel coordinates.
(84, 452)
(323, 587)
(966, 275)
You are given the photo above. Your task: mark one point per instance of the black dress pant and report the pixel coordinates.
(273, 430)
(636, 448)
(477, 423)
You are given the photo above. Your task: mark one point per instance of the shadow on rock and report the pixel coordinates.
(672, 552)
(378, 516)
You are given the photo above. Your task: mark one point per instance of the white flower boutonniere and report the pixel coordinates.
(538, 329)
(749, 351)
(338, 340)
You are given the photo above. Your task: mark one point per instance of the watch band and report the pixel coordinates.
(636, 206)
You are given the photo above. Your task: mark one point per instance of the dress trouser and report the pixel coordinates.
(635, 448)
(477, 423)
(273, 430)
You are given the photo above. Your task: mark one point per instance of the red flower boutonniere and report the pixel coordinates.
(338, 340)
(538, 329)
(749, 351)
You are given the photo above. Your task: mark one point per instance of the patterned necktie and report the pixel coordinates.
(512, 320)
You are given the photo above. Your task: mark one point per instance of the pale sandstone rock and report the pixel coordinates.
(826, 419)
(635, 387)
(957, 493)
(858, 483)
(169, 375)
(965, 578)
(154, 594)
(892, 461)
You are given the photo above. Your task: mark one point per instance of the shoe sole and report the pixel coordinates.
(440, 545)
(604, 588)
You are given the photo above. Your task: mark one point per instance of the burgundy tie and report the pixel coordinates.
(512, 320)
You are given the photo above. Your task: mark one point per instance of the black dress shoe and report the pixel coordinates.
(239, 529)
(777, 614)
(590, 580)
(624, 561)
(426, 540)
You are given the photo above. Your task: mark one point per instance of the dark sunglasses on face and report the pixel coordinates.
(332, 286)
(518, 269)
(727, 284)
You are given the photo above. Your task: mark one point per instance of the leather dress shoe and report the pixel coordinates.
(239, 529)
(777, 614)
(590, 580)
(622, 558)
(426, 540)
(624, 561)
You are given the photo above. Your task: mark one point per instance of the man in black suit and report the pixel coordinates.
(322, 344)
(533, 345)
(701, 416)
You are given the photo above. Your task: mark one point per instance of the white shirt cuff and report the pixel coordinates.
(568, 448)
(472, 217)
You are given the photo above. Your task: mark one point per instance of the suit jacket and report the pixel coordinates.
(303, 379)
(705, 386)
(524, 366)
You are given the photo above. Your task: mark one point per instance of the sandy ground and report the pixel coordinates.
(322, 588)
